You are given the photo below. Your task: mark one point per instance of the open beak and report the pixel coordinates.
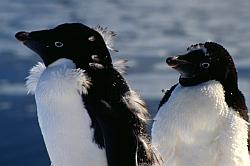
(175, 63)
(184, 67)
(22, 36)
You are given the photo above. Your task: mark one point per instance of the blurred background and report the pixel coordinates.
(148, 32)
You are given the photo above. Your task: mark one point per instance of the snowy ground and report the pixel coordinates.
(148, 32)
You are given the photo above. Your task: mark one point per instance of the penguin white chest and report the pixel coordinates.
(64, 121)
(196, 128)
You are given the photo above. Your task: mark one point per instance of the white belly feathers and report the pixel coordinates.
(196, 128)
(63, 119)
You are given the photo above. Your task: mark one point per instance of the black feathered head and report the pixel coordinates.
(74, 41)
(204, 62)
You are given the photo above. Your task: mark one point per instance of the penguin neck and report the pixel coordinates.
(230, 86)
(108, 84)
(230, 82)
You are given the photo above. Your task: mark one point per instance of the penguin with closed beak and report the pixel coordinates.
(203, 120)
(87, 113)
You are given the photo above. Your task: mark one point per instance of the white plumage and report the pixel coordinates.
(197, 128)
(64, 122)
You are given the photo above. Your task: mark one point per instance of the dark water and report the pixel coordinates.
(148, 31)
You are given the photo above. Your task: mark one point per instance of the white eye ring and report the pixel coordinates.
(91, 38)
(205, 65)
(59, 44)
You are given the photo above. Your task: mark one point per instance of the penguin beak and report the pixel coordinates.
(184, 67)
(22, 36)
(27, 38)
(175, 63)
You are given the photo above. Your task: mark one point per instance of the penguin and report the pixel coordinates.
(202, 120)
(87, 113)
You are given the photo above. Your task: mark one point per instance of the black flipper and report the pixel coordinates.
(166, 96)
(118, 122)
(120, 141)
(98, 134)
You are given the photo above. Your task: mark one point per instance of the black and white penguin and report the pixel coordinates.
(87, 113)
(203, 120)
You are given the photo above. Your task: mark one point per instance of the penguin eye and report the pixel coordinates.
(91, 38)
(205, 65)
(59, 44)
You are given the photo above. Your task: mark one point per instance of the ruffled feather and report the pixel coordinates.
(121, 66)
(108, 36)
(69, 75)
(32, 79)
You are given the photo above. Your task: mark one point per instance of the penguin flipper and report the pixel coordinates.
(121, 146)
(120, 140)
(166, 96)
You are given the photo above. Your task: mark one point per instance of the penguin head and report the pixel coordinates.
(204, 62)
(74, 41)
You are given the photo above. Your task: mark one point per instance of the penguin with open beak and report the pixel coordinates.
(203, 120)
